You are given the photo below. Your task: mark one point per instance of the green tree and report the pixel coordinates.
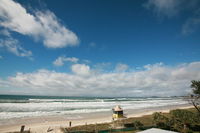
(195, 97)
(182, 119)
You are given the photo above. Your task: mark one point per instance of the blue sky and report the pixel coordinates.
(98, 40)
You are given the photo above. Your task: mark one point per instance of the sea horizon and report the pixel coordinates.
(36, 95)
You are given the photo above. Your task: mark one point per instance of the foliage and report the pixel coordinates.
(137, 124)
(183, 116)
(178, 120)
(195, 97)
(183, 119)
(161, 121)
(196, 87)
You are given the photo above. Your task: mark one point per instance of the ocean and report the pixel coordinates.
(16, 106)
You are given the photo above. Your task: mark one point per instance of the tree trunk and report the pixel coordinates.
(196, 107)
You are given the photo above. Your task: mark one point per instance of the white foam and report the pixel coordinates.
(45, 107)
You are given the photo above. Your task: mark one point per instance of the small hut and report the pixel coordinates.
(117, 112)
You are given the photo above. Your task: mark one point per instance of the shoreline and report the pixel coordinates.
(41, 124)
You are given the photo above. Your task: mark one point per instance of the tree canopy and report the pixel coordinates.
(195, 98)
(196, 87)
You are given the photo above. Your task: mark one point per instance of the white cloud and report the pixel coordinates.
(62, 59)
(150, 66)
(81, 69)
(41, 25)
(55, 35)
(102, 67)
(1, 57)
(156, 80)
(13, 46)
(170, 8)
(164, 7)
(86, 61)
(192, 24)
(5, 33)
(121, 67)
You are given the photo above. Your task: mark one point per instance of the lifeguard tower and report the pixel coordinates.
(117, 113)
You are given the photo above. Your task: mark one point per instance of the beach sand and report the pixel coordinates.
(41, 124)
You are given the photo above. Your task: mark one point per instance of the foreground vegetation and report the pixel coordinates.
(184, 121)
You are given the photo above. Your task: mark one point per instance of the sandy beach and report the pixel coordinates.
(41, 124)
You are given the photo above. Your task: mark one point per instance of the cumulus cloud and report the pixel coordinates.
(41, 25)
(152, 80)
(121, 67)
(13, 46)
(102, 67)
(81, 69)
(62, 59)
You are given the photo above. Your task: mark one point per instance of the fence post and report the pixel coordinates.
(22, 128)
(70, 124)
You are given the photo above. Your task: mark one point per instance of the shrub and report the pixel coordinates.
(183, 116)
(183, 119)
(137, 124)
(161, 121)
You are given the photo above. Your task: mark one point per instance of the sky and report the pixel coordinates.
(106, 48)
